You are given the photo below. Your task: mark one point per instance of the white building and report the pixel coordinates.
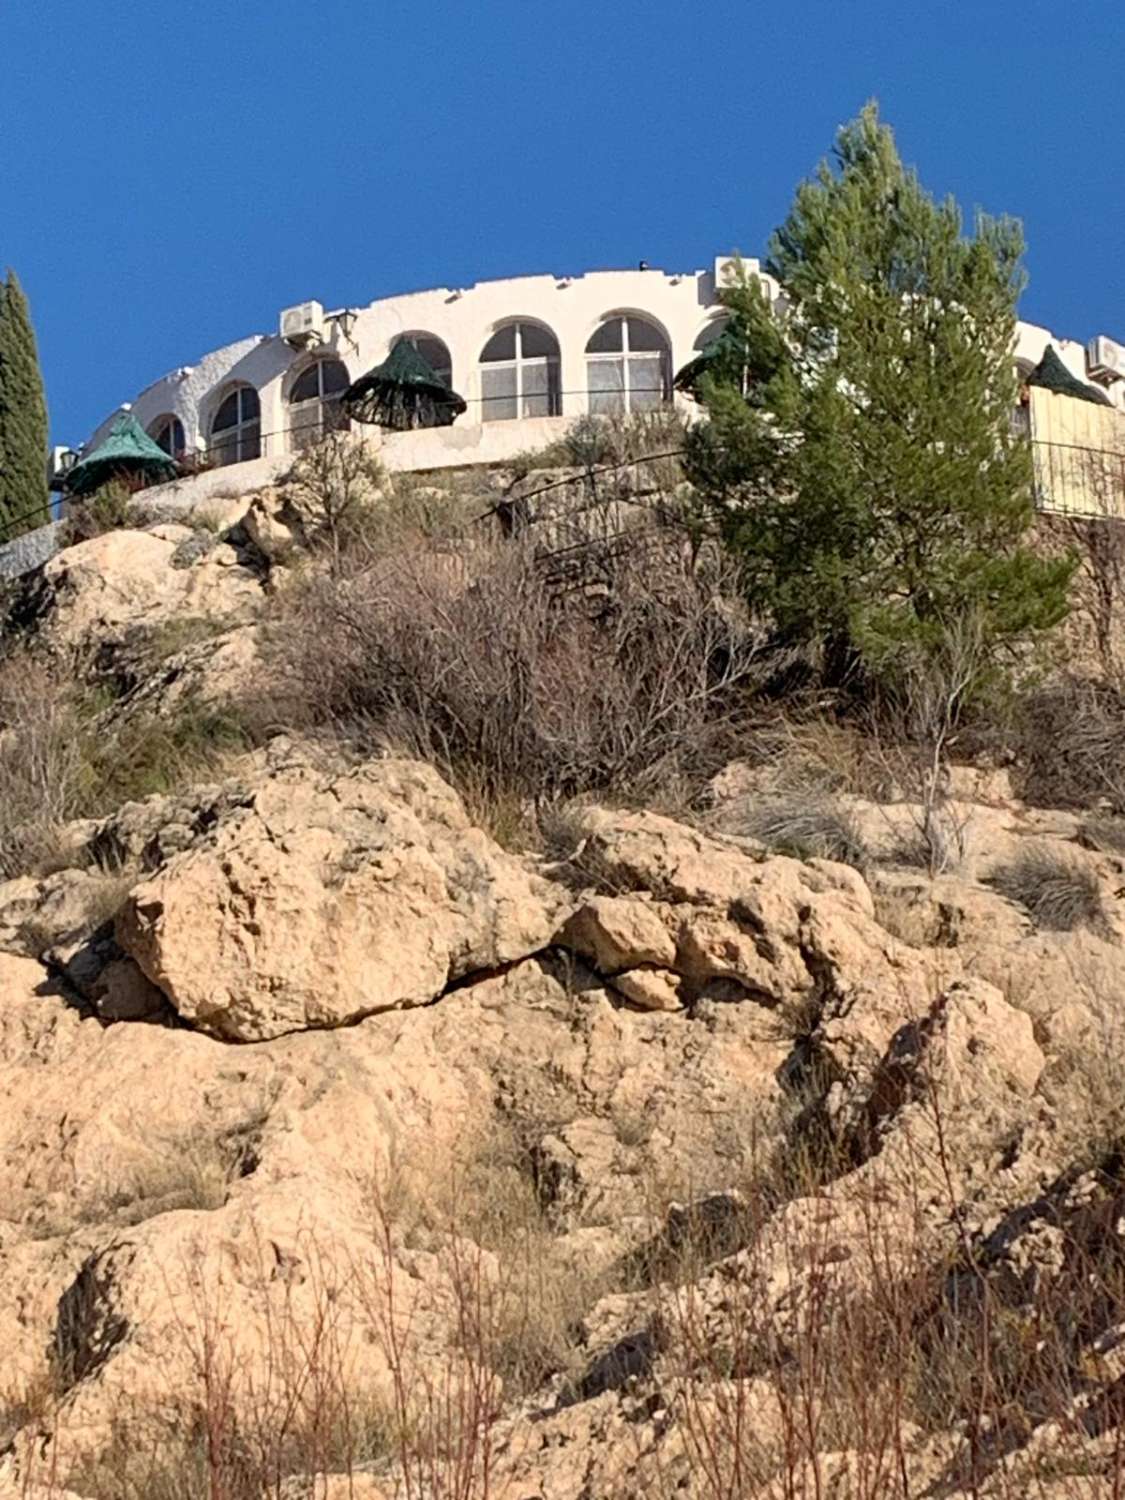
(528, 354)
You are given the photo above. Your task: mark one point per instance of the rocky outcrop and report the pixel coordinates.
(327, 899)
(103, 590)
(396, 1095)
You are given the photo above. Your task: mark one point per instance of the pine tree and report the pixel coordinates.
(866, 473)
(24, 500)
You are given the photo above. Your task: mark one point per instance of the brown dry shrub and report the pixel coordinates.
(1071, 739)
(62, 756)
(471, 660)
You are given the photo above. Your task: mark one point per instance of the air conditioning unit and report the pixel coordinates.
(726, 268)
(303, 325)
(1106, 359)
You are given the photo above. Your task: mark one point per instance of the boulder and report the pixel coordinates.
(326, 899)
(102, 590)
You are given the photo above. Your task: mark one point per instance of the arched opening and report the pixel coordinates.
(168, 432)
(628, 366)
(314, 402)
(236, 428)
(709, 333)
(519, 373)
(433, 350)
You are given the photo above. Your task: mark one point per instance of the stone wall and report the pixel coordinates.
(31, 550)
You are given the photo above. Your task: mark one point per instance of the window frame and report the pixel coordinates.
(626, 358)
(551, 364)
(167, 420)
(242, 434)
(302, 433)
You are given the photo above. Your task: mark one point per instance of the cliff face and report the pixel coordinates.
(345, 1152)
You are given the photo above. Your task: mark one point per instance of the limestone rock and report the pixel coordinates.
(329, 899)
(100, 590)
(651, 989)
(617, 933)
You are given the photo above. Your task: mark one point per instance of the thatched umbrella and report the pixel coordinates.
(127, 452)
(401, 393)
(1052, 375)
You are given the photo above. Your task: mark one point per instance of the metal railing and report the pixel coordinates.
(1076, 480)
(290, 439)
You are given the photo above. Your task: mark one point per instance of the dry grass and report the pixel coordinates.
(804, 827)
(1058, 891)
(63, 756)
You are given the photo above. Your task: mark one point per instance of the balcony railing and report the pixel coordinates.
(1079, 481)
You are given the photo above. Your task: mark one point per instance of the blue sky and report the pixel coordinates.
(171, 177)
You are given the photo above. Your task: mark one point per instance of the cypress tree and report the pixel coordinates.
(866, 473)
(24, 500)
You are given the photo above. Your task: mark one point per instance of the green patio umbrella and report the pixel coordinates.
(724, 358)
(401, 393)
(1052, 375)
(128, 451)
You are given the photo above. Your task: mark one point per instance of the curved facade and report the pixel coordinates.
(529, 347)
(518, 350)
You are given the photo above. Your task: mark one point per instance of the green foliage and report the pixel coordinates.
(859, 460)
(24, 501)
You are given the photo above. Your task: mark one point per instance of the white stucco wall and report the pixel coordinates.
(682, 305)
(572, 308)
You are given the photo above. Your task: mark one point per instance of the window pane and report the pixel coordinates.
(502, 345)
(646, 382)
(605, 378)
(436, 355)
(306, 386)
(498, 389)
(251, 444)
(643, 335)
(536, 397)
(250, 406)
(227, 414)
(306, 424)
(333, 377)
(537, 341)
(606, 339)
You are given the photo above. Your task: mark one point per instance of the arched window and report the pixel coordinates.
(709, 333)
(433, 351)
(168, 432)
(628, 366)
(519, 374)
(236, 428)
(314, 401)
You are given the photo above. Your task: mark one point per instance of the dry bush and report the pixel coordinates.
(1105, 835)
(468, 660)
(803, 827)
(62, 758)
(44, 765)
(1071, 741)
(335, 482)
(651, 440)
(1059, 892)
